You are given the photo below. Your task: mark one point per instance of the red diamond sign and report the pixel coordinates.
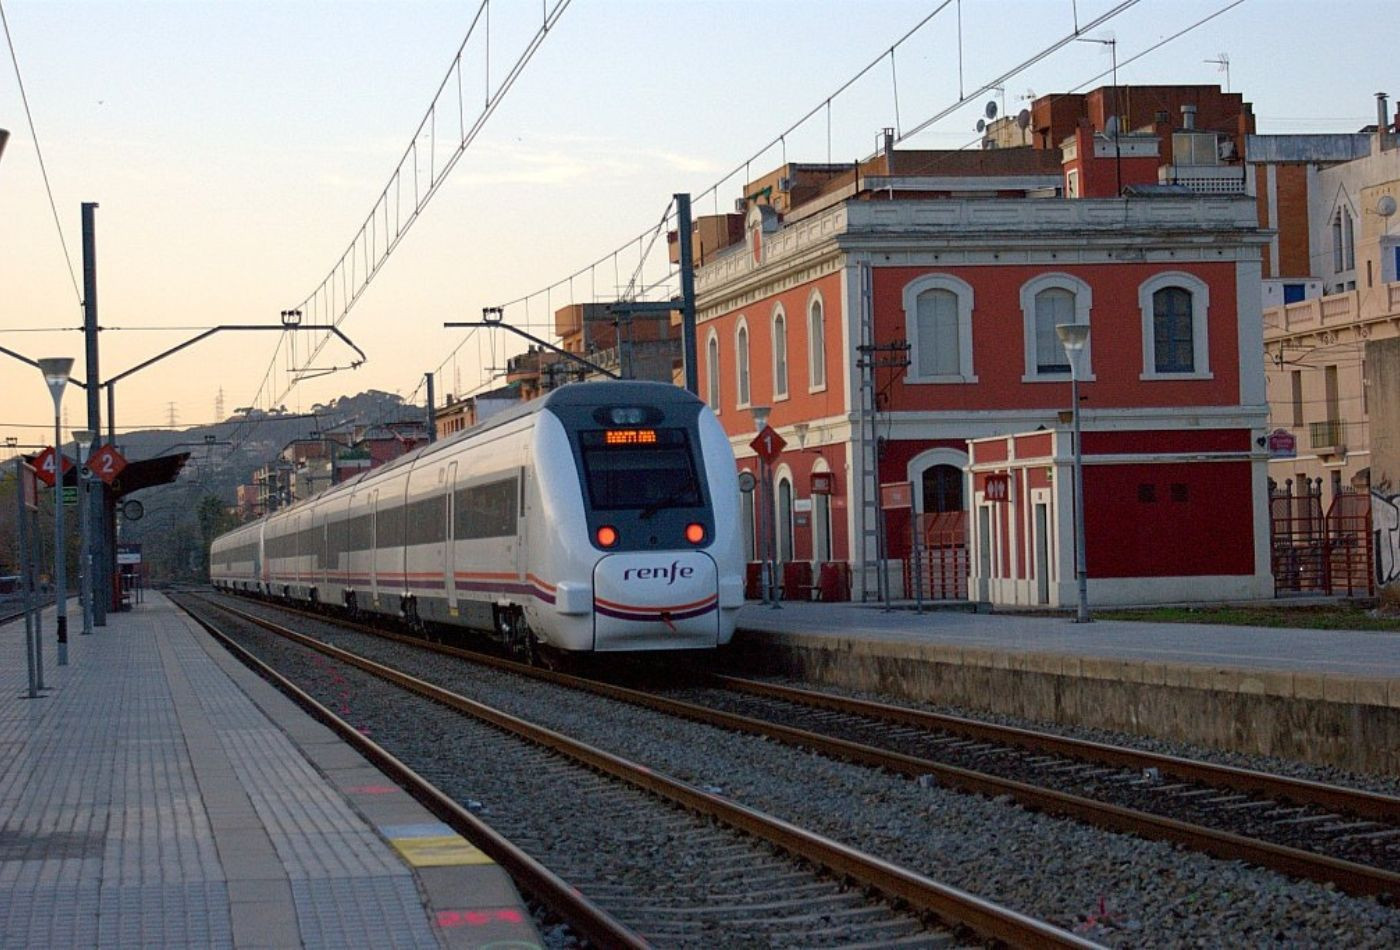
(768, 444)
(107, 463)
(44, 463)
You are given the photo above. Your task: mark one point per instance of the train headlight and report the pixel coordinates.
(695, 532)
(607, 536)
(628, 415)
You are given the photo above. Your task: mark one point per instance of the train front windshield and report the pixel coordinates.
(648, 469)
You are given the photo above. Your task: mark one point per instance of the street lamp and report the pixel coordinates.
(1074, 337)
(56, 370)
(85, 560)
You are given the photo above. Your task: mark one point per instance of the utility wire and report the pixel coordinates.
(43, 168)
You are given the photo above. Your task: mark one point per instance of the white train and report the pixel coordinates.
(601, 517)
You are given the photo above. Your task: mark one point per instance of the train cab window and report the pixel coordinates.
(651, 474)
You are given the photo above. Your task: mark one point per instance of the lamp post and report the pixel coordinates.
(56, 370)
(85, 555)
(1074, 337)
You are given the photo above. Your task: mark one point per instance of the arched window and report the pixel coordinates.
(780, 360)
(1047, 301)
(712, 372)
(1175, 313)
(1172, 345)
(741, 364)
(784, 520)
(937, 333)
(816, 346)
(943, 489)
(938, 325)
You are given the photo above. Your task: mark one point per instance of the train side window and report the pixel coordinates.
(487, 511)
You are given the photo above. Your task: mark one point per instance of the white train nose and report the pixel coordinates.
(664, 601)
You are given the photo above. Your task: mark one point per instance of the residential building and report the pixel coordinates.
(1330, 354)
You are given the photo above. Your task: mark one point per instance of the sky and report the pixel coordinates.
(235, 149)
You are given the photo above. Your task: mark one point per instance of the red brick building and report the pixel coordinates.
(973, 258)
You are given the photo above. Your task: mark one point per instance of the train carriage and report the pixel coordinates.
(602, 517)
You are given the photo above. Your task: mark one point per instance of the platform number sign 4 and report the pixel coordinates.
(107, 463)
(769, 445)
(44, 466)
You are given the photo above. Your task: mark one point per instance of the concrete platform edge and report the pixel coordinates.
(1348, 721)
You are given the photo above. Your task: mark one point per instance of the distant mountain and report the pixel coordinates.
(222, 457)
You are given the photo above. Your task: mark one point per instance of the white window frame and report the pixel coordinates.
(1083, 305)
(743, 356)
(784, 474)
(816, 345)
(963, 292)
(1200, 322)
(821, 516)
(780, 315)
(930, 458)
(713, 384)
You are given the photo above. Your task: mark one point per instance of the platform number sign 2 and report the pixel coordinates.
(107, 463)
(44, 466)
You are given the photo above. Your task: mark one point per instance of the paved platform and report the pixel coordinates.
(161, 794)
(1331, 696)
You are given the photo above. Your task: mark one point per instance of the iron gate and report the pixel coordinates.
(939, 564)
(1317, 553)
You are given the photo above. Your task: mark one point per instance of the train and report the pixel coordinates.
(602, 517)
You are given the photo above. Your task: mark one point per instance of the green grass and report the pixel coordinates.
(1312, 617)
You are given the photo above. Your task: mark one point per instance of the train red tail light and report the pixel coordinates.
(695, 532)
(607, 536)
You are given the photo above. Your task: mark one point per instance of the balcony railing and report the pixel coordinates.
(1327, 437)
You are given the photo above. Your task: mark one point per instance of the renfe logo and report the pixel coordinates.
(667, 574)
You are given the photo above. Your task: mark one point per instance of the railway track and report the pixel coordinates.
(1327, 833)
(676, 863)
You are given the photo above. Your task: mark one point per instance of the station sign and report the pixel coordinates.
(997, 487)
(896, 495)
(44, 466)
(107, 463)
(128, 553)
(70, 496)
(29, 486)
(768, 444)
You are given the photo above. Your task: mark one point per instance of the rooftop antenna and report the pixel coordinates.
(1222, 64)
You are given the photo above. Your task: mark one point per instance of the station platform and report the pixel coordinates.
(159, 793)
(1325, 696)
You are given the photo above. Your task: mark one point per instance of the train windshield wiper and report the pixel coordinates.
(670, 499)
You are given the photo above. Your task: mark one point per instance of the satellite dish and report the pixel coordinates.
(1023, 119)
(991, 110)
(1111, 126)
(981, 125)
(1385, 206)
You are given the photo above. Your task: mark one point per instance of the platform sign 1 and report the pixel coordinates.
(107, 463)
(768, 444)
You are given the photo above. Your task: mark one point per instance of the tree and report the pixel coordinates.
(214, 520)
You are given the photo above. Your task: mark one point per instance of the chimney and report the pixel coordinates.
(1188, 116)
(1382, 123)
(889, 150)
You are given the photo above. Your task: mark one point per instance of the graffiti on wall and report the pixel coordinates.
(1385, 521)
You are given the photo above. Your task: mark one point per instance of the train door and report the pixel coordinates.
(522, 561)
(372, 510)
(297, 551)
(449, 534)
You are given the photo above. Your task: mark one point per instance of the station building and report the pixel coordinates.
(889, 313)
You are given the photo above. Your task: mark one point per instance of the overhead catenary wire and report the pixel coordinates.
(39, 153)
(368, 250)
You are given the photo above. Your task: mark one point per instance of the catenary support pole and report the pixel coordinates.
(687, 267)
(432, 411)
(94, 557)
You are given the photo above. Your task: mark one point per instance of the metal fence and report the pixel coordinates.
(1316, 552)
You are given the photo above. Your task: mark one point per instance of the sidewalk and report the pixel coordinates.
(160, 794)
